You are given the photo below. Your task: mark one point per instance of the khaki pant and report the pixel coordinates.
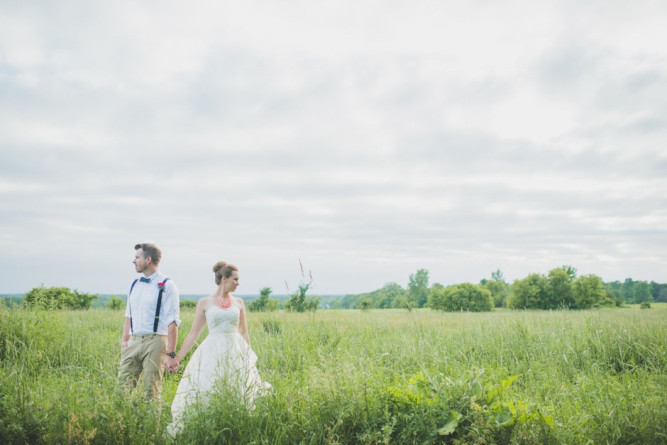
(145, 353)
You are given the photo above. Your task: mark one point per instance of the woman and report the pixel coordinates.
(224, 357)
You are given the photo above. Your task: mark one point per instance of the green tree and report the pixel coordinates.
(381, 298)
(57, 298)
(627, 290)
(498, 287)
(263, 303)
(499, 291)
(529, 293)
(402, 302)
(189, 304)
(436, 297)
(365, 303)
(386, 295)
(418, 288)
(299, 302)
(115, 303)
(662, 296)
(641, 292)
(560, 289)
(588, 291)
(571, 271)
(498, 276)
(616, 288)
(461, 297)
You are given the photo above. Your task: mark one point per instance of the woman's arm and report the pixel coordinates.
(243, 325)
(197, 326)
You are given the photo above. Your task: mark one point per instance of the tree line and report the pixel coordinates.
(64, 298)
(560, 288)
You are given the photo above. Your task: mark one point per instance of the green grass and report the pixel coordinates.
(382, 376)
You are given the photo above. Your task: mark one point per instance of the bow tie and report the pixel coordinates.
(145, 280)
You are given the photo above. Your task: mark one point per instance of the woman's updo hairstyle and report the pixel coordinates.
(223, 269)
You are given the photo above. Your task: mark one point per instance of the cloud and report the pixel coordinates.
(369, 140)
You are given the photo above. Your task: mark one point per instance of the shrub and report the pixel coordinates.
(530, 293)
(588, 291)
(263, 303)
(461, 297)
(115, 303)
(57, 298)
(298, 302)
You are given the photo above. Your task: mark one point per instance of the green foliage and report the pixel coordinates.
(641, 292)
(116, 303)
(560, 288)
(299, 302)
(571, 271)
(499, 291)
(498, 276)
(529, 293)
(57, 298)
(365, 303)
(382, 298)
(357, 377)
(464, 403)
(659, 292)
(631, 291)
(402, 302)
(263, 303)
(645, 305)
(11, 302)
(588, 291)
(418, 288)
(187, 304)
(536, 291)
(461, 297)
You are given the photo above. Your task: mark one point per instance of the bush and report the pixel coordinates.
(461, 297)
(57, 298)
(263, 303)
(298, 302)
(115, 303)
(530, 293)
(187, 304)
(645, 305)
(588, 291)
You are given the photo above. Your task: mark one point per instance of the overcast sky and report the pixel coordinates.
(367, 139)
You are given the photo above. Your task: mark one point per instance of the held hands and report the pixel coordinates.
(171, 365)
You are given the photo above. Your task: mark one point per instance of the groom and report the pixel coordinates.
(151, 324)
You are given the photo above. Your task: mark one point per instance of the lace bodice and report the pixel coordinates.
(223, 321)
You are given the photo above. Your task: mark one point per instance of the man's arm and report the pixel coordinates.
(126, 333)
(172, 337)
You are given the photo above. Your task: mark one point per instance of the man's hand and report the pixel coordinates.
(171, 365)
(123, 344)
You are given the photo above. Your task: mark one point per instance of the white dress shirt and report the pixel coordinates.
(142, 302)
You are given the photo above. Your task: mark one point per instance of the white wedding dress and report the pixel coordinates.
(222, 359)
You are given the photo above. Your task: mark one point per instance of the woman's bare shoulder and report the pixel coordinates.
(206, 302)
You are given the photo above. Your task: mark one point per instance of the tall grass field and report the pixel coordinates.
(347, 377)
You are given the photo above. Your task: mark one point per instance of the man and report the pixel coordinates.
(151, 324)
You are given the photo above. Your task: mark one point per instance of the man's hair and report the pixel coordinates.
(150, 251)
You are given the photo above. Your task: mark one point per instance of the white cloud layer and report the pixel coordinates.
(368, 139)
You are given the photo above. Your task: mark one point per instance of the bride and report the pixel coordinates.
(224, 357)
